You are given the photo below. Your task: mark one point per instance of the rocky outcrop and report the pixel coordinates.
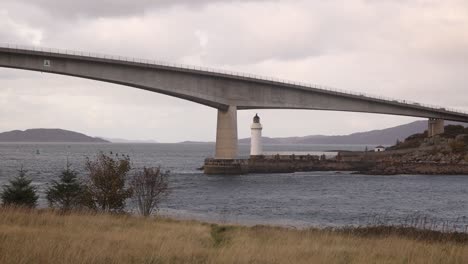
(417, 168)
(437, 155)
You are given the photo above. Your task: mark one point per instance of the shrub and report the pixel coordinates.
(149, 186)
(434, 151)
(20, 192)
(106, 182)
(418, 136)
(408, 143)
(68, 192)
(457, 146)
(465, 139)
(451, 131)
(218, 234)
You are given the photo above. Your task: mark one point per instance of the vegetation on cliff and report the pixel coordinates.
(442, 154)
(450, 147)
(455, 138)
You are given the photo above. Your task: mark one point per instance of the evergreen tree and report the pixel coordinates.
(20, 192)
(68, 192)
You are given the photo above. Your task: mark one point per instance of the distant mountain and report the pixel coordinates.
(120, 140)
(386, 136)
(196, 142)
(48, 135)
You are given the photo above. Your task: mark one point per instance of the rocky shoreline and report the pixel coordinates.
(423, 168)
(445, 154)
(368, 165)
(431, 156)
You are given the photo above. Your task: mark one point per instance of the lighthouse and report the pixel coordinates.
(256, 138)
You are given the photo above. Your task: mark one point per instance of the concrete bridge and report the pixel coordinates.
(225, 91)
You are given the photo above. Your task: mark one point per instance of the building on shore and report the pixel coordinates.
(379, 148)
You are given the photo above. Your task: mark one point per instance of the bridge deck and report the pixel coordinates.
(452, 114)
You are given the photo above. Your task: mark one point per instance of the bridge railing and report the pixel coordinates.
(227, 72)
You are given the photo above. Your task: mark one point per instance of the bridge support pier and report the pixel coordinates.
(226, 134)
(435, 127)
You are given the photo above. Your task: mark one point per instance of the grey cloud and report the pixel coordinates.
(13, 31)
(403, 49)
(242, 34)
(111, 8)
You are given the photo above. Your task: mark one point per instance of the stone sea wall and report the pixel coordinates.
(383, 163)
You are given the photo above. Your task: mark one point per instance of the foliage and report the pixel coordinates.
(412, 141)
(149, 186)
(405, 231)
(451, 131)
(435, 150)
(68, 192)
(465, 140)
(457, 146)
(106, 185)
(218, 234)
(20, 192)
(408, 143)
(418, 136)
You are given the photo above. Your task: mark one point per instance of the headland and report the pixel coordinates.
(444, 154)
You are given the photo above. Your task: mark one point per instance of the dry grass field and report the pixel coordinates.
(48, 237)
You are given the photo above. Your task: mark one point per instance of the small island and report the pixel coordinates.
(48, 136)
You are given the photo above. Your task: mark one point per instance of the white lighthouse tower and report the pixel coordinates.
(256, 138)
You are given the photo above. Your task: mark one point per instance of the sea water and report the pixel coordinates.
(290, 199)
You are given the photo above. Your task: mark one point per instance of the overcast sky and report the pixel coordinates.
(408, 49)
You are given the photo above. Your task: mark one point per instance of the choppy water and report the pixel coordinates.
(298, 199)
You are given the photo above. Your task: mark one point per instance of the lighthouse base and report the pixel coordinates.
(269, 164)
(226, 166)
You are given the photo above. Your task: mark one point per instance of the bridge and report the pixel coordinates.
(224, 90)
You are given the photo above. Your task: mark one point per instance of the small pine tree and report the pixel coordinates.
(68, 192)
(20, 192)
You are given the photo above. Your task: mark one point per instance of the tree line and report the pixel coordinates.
(106, 187)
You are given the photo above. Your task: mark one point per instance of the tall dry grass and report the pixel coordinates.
(48, 237)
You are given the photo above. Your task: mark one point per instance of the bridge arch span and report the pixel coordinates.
(223, 91)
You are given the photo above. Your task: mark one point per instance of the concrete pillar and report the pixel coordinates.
(435, 127)
(256, 137)
(226, 134)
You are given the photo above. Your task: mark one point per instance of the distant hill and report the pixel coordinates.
(121, 140)
(197, 142)
(48, 135)
(386, 136)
